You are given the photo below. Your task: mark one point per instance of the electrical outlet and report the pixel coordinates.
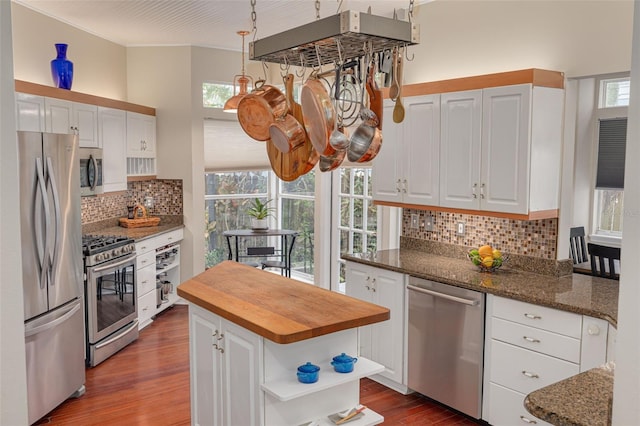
(414, 220)
(428, 223)
(460, 228)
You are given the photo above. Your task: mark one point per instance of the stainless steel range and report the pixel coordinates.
(110, 292)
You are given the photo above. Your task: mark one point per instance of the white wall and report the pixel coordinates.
(13, 386)
(465, 38)
(99, 66)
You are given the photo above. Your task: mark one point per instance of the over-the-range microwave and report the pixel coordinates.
(90, 171)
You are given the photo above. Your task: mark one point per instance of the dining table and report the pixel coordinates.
(240, 252)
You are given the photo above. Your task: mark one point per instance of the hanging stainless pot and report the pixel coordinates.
(318, 113)
(259, 109)
(366, 140)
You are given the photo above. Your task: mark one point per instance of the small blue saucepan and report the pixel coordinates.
(343, 363)
(308, 373)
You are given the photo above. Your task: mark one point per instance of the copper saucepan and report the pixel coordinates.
(286, 132)
(259, 109)
(319, 114)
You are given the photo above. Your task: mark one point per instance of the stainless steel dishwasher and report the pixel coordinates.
(446, 344)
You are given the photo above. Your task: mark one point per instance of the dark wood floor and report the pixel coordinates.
(147, 383)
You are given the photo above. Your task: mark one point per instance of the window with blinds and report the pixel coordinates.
(611, 150)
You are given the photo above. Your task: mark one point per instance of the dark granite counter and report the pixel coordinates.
(582, 400)
(111, 227)
(581, 294)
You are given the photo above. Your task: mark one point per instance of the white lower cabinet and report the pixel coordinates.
(240, 378)
(225, 371)
(157, 262)
(528, 347)
(382, 342)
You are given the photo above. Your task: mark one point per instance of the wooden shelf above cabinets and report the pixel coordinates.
(536, 215)
(54, 92)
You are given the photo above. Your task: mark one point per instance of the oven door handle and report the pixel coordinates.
(92, 182)
(113, 265)
(125, 331)
(450, 297)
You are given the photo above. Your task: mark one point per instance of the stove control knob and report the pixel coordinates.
(107, 255)
(99, 257)
(116, 252)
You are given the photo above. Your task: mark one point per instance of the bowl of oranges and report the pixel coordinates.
(487, 258)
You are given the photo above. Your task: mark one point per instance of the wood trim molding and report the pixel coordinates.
(54, 92)
(535, 76)
(535, 215)
(140, 178)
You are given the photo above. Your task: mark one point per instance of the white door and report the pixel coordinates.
(30, 112)
(421, 151)
(241, 376)
(387, 166)
(387, 337)
(134, 134)
(85, 120)
(461, 121)
(58, 116)
(112, 126)
(505, 149)
(206, 397)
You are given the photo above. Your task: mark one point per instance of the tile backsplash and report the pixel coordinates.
(166, 195)
(535, 238)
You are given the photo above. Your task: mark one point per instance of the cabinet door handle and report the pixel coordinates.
(530, 375)
(473, 190)
(526, 420)
(482, 191)
(218, 348)
(531, 339)
(367, 287)
(398, 184)
(373, 282)
(532, 316)
(404, 186)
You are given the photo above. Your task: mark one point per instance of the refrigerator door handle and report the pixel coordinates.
(56, 211)
(41, 235)
(54, 323)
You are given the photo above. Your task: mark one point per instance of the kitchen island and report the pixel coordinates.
(250, 330)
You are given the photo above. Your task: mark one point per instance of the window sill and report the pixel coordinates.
(605, 240)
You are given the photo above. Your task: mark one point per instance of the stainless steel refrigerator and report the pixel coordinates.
(52, 269)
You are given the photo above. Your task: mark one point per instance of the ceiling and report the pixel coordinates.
(206, 23)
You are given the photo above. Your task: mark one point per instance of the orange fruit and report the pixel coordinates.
(485, 251)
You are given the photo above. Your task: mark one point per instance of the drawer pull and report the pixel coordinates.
(531, 339)
(526, 420)
(530, 375)
(533, 316)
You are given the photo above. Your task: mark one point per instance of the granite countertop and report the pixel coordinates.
(581, 294)
(111, 227)
(581, 400)
(277, 308)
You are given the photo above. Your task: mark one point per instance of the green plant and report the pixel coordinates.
(259, 210)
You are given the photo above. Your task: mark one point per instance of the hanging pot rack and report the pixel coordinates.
(333, 39)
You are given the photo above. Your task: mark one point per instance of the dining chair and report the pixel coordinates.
(602, 256)
(577, 245)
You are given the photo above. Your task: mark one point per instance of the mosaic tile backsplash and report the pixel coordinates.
(535, 238)
(166, 197)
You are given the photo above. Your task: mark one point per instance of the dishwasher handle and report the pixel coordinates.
(450, 297)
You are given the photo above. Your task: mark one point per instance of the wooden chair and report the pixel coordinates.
(577, 245)
(605, 257)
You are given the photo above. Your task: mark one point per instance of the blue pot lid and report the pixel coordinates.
(308, 368)
(343, 358)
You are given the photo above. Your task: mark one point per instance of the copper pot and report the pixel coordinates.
(286, 133)
(259, 109)
(319, 114)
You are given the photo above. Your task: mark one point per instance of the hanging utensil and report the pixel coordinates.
(337, 140)
(287, 133)
(318, 114)
(398, 110)
(394, 89)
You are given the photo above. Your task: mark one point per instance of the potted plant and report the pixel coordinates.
(260, 213)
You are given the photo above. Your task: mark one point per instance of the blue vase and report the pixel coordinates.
(62, 68)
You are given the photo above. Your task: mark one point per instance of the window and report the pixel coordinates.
(613, 100)
(214, 95)
(358, 215)
(228, 195)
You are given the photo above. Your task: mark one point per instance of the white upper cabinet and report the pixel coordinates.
(406, 170)
(141, 135)
(460, 149)
(85, 121)
(58, 116)
(501, 148)
(112, 131)
(30, 112)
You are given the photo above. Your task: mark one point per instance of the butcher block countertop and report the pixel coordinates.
(277, 308)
